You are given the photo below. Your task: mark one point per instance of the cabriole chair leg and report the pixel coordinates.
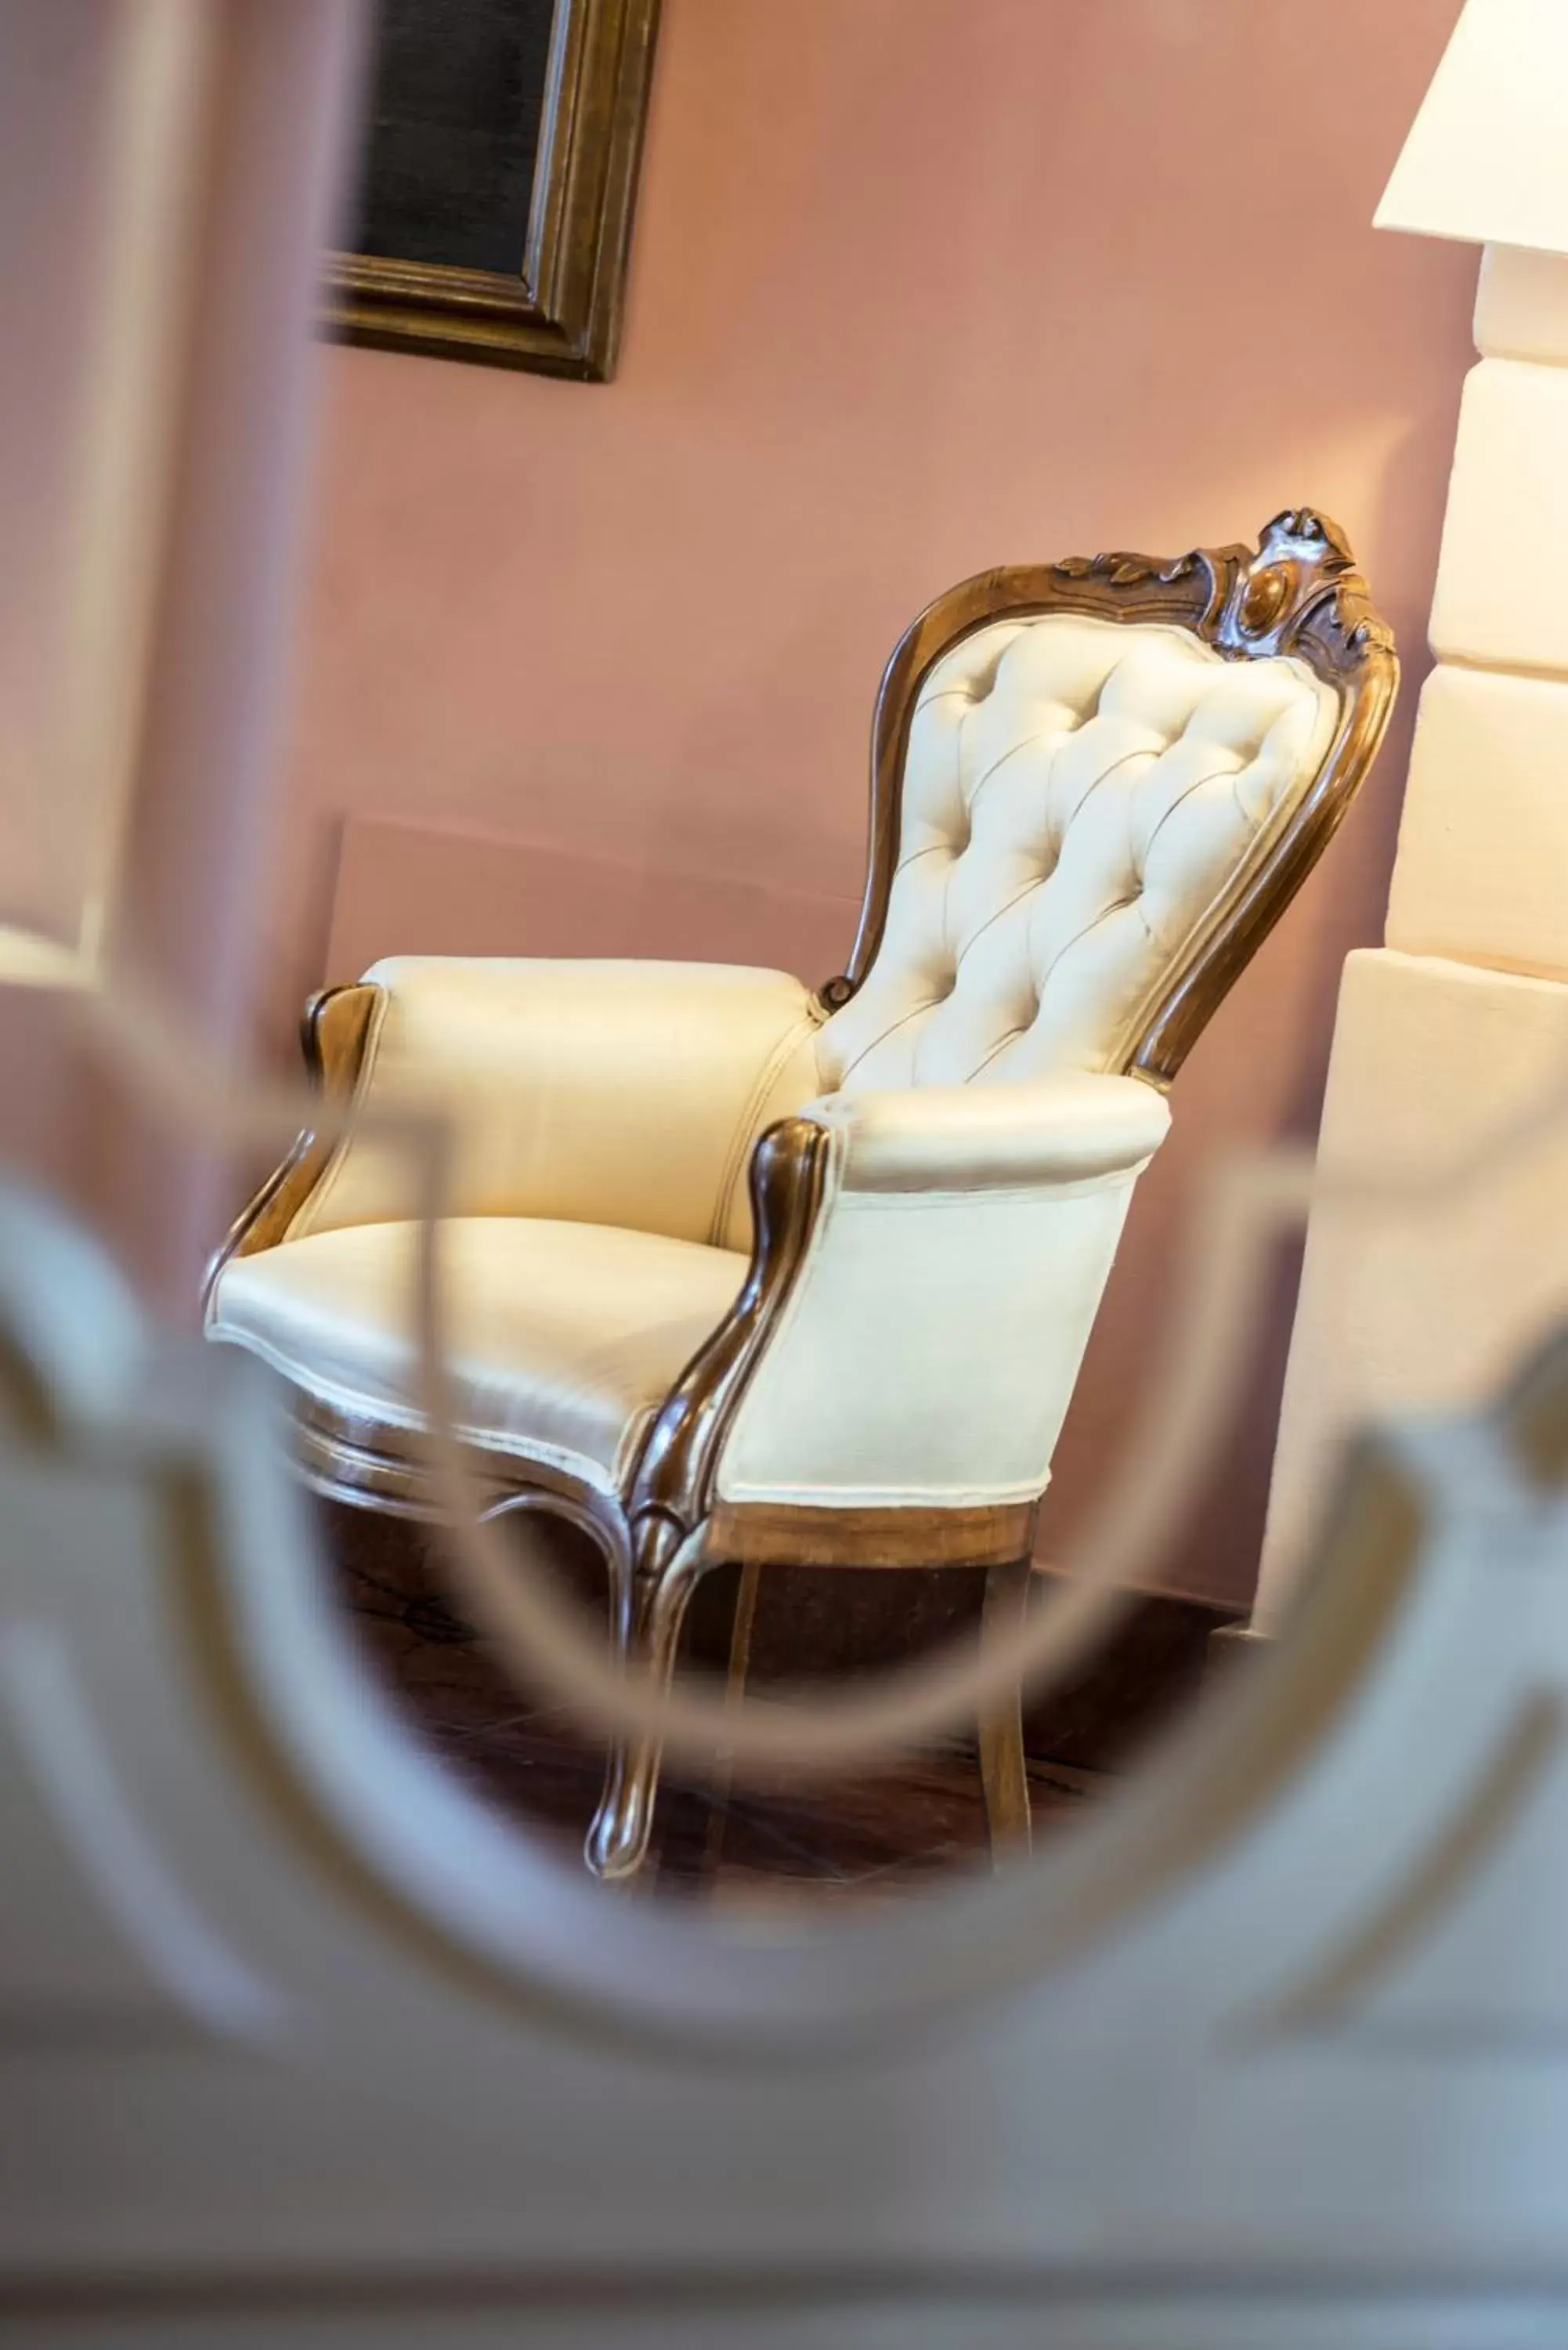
(1004, 1774)
(648, 1607)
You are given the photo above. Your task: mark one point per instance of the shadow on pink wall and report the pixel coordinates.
(919, 286)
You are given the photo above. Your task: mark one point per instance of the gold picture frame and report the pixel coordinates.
(560, 313)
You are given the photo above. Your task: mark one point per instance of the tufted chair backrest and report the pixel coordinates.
(1099, 786)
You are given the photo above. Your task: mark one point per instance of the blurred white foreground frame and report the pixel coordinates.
(168, 175)
(299, 2041)
(101, 111)
(169, 179)
(1461, 1017)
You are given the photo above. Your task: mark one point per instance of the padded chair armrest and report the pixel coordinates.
(1063, 1129)
(927, 1348)
(596, 1092)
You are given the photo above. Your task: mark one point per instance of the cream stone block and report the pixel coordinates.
(1521, 305)
(1482, 869)
(1500, 595)
(1426, 1302)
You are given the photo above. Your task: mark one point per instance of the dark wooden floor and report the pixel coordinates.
(870, 1832)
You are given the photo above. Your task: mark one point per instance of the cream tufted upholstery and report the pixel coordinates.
(1075, 793)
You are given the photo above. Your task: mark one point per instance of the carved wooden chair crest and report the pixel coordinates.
(738, 1271)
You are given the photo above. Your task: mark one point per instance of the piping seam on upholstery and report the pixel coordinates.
(1026, 1191)
(555, 1456)
(871, 1497)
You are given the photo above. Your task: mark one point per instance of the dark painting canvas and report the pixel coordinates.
(453, 125)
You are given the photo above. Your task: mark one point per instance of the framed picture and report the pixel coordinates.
(501, 154)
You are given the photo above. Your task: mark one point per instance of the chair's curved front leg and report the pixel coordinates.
(670, 1490)
(650, 1590)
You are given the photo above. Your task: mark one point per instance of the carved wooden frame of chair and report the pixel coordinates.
(1300, 594)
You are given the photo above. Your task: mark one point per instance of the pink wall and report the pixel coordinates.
(919, 286)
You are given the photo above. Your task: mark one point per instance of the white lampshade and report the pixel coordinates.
(1487, 160)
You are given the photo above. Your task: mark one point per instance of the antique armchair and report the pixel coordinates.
(809, 1277)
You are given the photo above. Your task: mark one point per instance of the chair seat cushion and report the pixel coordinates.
(561, 1337)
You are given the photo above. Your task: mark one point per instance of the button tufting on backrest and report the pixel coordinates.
(1075, 793)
